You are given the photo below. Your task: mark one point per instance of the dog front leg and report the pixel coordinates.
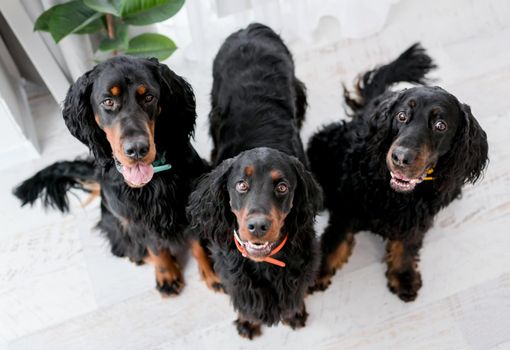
(169, 281)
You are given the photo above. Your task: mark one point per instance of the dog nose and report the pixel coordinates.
(136, 148)
(402, 156)
(258, 225)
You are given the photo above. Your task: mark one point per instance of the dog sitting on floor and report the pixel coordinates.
(136, 116)
(402, 157)
(254, 213)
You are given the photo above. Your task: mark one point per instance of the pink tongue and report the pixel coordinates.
(139, 174)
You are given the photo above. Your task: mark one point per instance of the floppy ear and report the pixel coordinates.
(177, 103)
(469, 155)
(378, 133)
(209, 209)
(79, 117)
(308, 198)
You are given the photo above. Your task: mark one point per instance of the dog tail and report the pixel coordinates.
(301, 102)
(411, 66)
(52, 183)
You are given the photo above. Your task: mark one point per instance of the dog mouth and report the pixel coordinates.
(257, 250)
(137, 175)
(402, 183)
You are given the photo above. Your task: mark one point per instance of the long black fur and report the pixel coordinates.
(258, 102)
(348, 159)
(254, 84)
(52, 183)
(133, 219)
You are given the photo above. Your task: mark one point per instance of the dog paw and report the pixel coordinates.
(247, 329)
(297, 321)
(321, 283)
(169, 288)
(405, 284)
(137, 262)
(213, 282)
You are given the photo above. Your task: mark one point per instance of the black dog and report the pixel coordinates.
(402, 157)
(254, 213)
(136, 116)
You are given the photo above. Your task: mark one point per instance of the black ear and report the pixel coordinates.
(378, 128)
(209, 209)
(469, 156)
(79, 117)
(177, 103)
(308, 198)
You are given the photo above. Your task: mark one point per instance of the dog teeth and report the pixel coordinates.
(257, 246)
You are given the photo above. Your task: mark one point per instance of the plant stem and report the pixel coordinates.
(111, 30)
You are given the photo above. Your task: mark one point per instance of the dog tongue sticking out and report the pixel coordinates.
(138, 175)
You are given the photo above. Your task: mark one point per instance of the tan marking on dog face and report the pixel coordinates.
(113, 135)
(424, 160)
(249, 170)
(151, 155)
(141, 90)
(241, 217)
(276, 217)
(115, 90)
(276, 175)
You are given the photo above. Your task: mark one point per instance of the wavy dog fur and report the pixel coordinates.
(350, 160)
(257, 108)
(142, 223)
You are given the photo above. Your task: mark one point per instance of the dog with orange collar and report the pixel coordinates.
(253, 215)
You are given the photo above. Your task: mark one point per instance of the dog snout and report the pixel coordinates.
(258, 226)
(136, 148)
(403, 156)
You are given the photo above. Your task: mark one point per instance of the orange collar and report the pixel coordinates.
(268, 258)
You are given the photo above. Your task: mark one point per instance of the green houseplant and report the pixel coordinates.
(110, 19)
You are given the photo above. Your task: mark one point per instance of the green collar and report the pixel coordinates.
(160, 163)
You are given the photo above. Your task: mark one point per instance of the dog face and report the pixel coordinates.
(263, 194)
(261, 188)
(125, 106)
(125, 109)
(426, 121)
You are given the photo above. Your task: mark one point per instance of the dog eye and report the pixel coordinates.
(402, 117)
(108, 102)
(148, 98)
(242, 187)
(282, 188)
(441, 126)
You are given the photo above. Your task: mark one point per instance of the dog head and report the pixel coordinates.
(262, 193)
(432, 134)
(127, 109)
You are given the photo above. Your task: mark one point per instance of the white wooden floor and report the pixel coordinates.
(61, 289)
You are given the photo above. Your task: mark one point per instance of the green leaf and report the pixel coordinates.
(104, 6)
(120, 42)
(42, 22)
(143, 12)
(69, 18)
(93, 27)
(151, 45)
